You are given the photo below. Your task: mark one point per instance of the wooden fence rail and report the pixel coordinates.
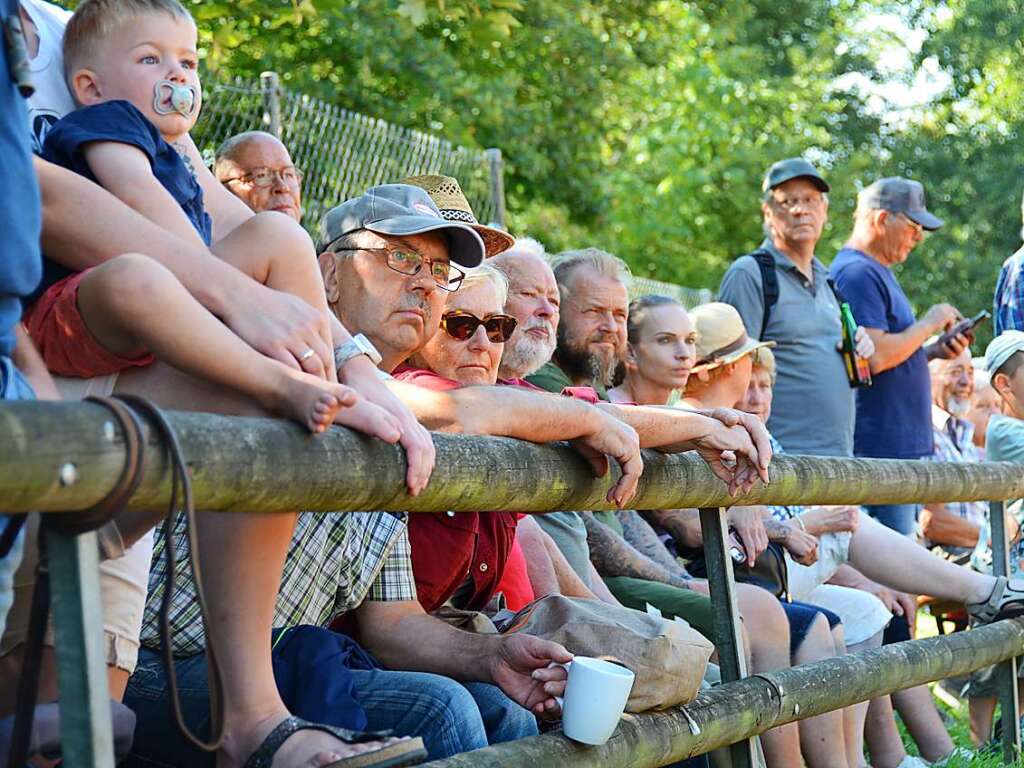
(58, 457)
(67, 456)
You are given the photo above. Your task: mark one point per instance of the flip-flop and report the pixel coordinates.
(401, 753)
(45, 737)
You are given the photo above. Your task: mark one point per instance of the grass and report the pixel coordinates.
(956, 721)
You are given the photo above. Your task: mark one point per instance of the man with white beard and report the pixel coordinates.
(534, 301)
(952, 529)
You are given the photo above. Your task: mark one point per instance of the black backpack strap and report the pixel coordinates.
(835, 291)
(769, 285)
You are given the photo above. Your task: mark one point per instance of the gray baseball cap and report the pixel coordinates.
(792, 168)
(400, 209)
(899, 195)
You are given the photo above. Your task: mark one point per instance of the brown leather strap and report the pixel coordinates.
(128, 482)
(181, 500)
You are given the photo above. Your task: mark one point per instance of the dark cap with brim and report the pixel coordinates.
(899, 195)
(793, 168)
(400, 210)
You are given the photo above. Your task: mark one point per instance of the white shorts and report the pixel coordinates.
(123, 584)
(79, 389)
(833, 551)
(863, 614)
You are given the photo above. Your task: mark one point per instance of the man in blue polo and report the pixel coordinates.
(781, 291)
(894, 417)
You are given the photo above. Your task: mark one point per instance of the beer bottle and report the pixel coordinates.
(857, 369)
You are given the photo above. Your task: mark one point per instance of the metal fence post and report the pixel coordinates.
(271, 85)
(728, 635)
(495, 165)
(85, 729)
(1006, 673)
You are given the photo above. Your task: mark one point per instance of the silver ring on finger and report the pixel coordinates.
(307, 354)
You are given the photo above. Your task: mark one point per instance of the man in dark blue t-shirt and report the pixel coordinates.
(893, 415)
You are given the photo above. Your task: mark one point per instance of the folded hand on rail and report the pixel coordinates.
(619, 440)
(758, 435)
(360, 374)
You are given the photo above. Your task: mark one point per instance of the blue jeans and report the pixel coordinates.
(902, 518)
(450, 717)
(13, 386)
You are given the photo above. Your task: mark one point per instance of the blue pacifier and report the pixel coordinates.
(184, 98)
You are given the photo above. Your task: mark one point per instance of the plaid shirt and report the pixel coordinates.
(336, 561)
(1008, 309)
(954, 441)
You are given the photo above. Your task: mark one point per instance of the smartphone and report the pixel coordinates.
(967, 325)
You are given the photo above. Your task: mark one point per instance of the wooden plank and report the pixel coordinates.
(1006, 672)
(85, 727)
(728, 627)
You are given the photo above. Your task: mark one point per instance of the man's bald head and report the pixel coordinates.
(256, 167)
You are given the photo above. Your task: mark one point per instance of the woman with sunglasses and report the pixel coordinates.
(466, 351)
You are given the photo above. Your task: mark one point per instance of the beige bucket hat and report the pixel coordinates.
(721, 337)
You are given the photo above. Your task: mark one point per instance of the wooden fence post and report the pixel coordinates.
(1006, 672)
(271, 86)
(497, 172)
(85, 728)
(728, 629)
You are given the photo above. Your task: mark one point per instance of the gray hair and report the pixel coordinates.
(231, 147)
(486, 274)
(526, 246)
(604, 263)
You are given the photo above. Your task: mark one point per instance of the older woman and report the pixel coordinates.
(466, 351)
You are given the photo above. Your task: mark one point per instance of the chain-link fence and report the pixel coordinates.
(688, 297)
(340, 152)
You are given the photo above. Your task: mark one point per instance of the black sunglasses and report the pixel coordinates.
(462, 325)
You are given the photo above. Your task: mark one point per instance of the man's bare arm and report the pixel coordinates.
(265, 318)
(639, 533)
(940, 526)
(614, 556)
(27, 360)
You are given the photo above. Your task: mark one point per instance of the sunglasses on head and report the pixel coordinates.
(462, 325)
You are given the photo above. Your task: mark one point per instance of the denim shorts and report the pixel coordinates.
(13, 386)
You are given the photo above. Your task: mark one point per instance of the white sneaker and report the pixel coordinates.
(960, 754)
(913, 761)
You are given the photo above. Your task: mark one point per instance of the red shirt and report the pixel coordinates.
(449, 548)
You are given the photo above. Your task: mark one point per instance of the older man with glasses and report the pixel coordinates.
(256, 168)
(781, 291)
(894, 415)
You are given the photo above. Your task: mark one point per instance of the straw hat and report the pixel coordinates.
(721, 337)
(447, 195)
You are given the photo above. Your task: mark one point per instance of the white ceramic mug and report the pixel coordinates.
(595, 697)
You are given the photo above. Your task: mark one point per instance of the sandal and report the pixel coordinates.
(406, 752)
(1005, 602)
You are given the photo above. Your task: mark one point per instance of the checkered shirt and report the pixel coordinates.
(1008, 310)
(335, 562)
(954, 441)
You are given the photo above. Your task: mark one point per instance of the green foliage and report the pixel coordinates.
(644, 126)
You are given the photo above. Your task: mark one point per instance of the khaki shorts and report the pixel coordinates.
(123, 584)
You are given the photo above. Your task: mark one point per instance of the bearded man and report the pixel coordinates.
(953, 528)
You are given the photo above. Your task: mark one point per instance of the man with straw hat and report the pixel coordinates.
(453, 205)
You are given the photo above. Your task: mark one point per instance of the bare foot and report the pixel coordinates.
(303, 749)
(308, 400)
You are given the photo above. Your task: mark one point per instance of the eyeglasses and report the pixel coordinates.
(462, 325)
(406, 261)
(789, 203)
(265, 177)
(918, 229)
